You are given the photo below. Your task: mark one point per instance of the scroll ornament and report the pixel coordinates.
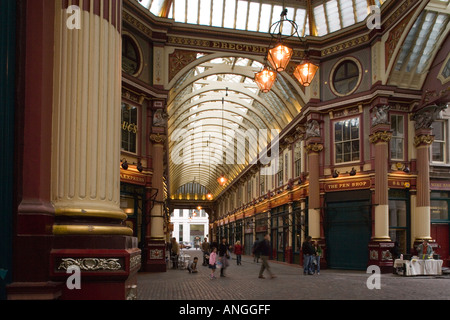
(381, 136)
(425, 139)
(316, 147)
(91, 264)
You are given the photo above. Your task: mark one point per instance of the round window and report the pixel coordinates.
(346, 77)
(131, 60)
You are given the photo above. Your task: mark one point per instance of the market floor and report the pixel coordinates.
(242, 283)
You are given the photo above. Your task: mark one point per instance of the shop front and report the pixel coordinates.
(280, 233)
(348, 225)
(440, 221)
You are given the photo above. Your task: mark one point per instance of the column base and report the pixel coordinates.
(155, 256)
(107, 267)
(380, 254)
(34, 290)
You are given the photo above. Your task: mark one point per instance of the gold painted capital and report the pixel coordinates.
(423, 140)
(381, 136)
(157, 138)
(314, 148)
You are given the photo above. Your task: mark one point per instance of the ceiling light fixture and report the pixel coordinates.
(222, 179)
(280, 55)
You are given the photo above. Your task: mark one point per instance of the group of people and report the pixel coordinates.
(218, 255)
(311, 256)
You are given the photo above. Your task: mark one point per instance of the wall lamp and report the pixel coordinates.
(140, 167)
(335, 174)
(406, 169)
(353, 172)
(124, 164)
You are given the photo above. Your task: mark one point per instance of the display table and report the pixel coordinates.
(419, 267)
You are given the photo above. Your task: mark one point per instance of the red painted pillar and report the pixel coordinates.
(34, 213)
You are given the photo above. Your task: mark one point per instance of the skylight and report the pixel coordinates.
(258, 16)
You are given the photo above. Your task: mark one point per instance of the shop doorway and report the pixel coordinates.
(440, 233)
(348, 232)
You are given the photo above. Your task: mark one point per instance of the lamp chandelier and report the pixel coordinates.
(280, 55)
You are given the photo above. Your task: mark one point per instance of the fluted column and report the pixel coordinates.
(89, 226)
(314, 189)
(380, 138)
(86, 113)
(422, 142)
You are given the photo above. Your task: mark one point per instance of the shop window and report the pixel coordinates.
(439, 206)
(131, 60)
(439, 148)
(346, 77)
(129, 128)
(399, 218)
(346, 139)
(398, 137)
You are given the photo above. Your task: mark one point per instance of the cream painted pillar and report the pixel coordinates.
(313, 151)
(422, 221)
(86, 114)
(380, 138)
(157, 214)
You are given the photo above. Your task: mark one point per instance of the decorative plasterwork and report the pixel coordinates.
(395, 35)
(180, 59)
(316, 147)
(345, 45)
(136, 23)
(381, 136)
(91, 264)
(424, 139)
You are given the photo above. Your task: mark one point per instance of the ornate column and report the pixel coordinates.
(89, 227)
(33, 211)
(313, 148)
(379, 253)
(422, 141)
(155, 242)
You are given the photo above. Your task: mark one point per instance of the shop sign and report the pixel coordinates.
(398, 184)
(347, 185)
(124, 177)
(440, 185)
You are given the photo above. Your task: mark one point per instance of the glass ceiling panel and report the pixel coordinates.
(258, 16)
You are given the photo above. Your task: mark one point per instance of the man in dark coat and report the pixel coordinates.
(263, 249)
(308, 253)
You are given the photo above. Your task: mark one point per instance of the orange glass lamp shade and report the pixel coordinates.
(279, 57)
(265, 79)
(305, 73)
(209, 196)
(222, 180)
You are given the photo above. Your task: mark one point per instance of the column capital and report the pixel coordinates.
(157, 138)
(314, 148)
(380, 136)
(423, 140)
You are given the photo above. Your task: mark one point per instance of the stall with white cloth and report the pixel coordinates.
(419, 267)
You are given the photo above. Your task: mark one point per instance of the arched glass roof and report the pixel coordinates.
(217, 115)
(316, 18)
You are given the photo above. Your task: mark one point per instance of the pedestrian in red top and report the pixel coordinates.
(238, 252)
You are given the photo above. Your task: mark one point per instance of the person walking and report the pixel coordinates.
(205, 249)
(264, 250)
(224, 255)
(308, 253)
(316, 258)
(213, 262)
(238, 252)
(175, 252)
(254, 253)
